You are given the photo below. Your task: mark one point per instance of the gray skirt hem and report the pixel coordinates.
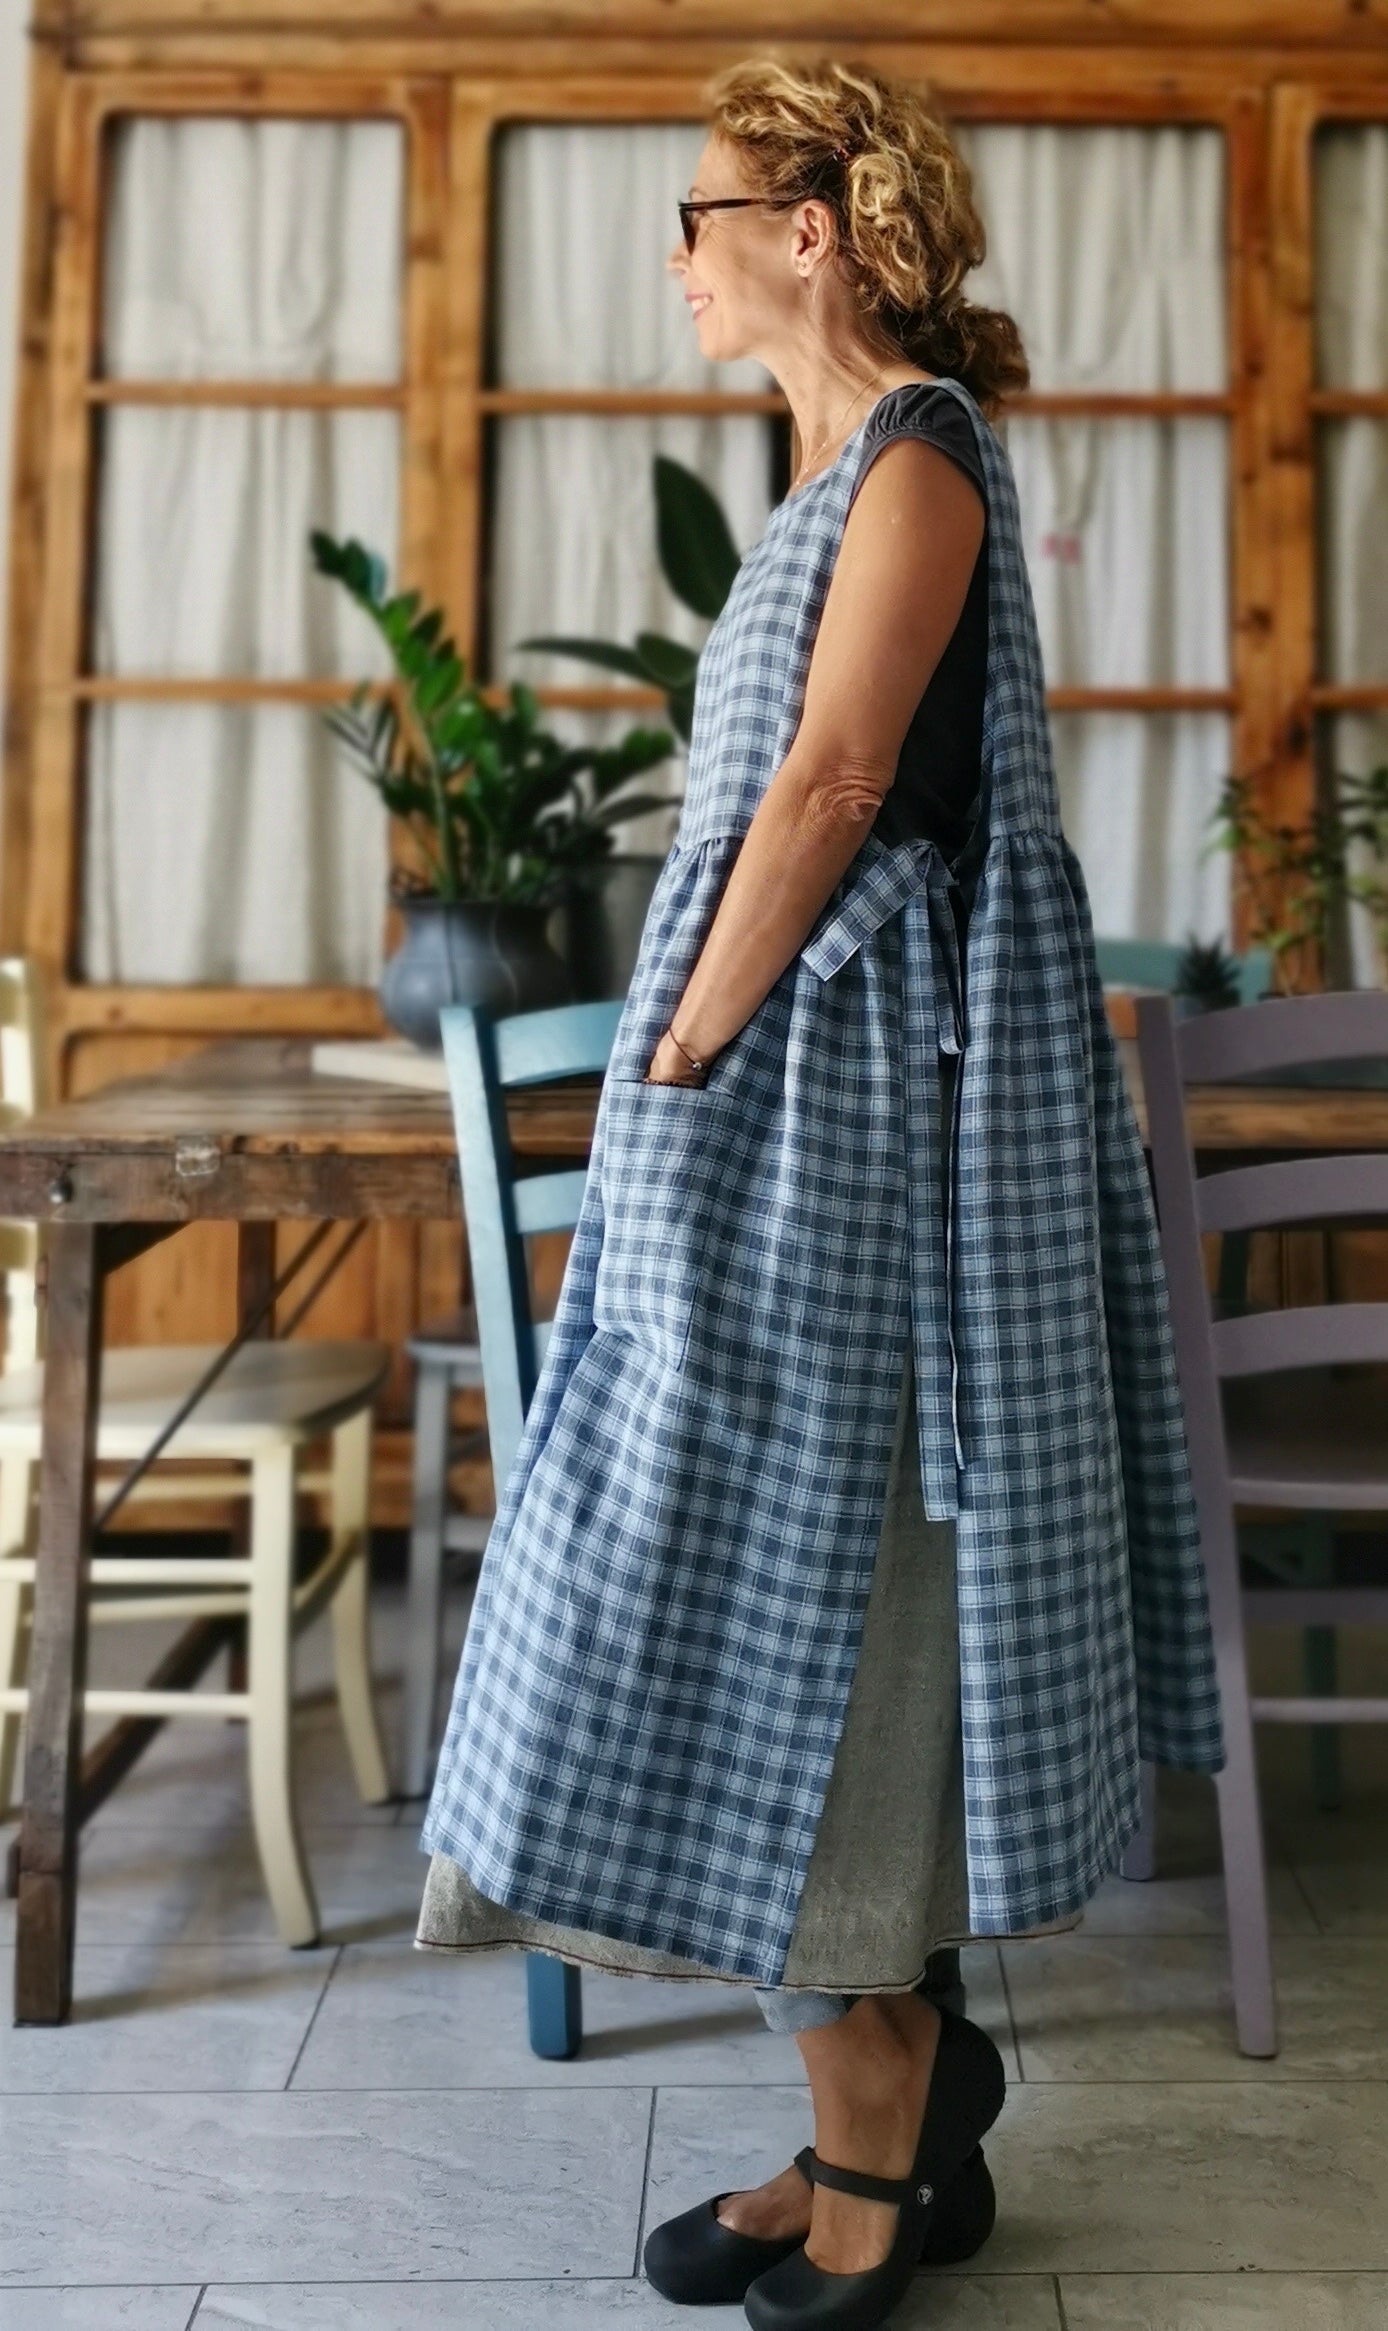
(698, 1974)
(887, 1882)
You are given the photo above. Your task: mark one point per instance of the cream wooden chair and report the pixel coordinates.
(273, 1400)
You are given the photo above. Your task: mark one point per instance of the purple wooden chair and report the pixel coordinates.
(1281, 1410)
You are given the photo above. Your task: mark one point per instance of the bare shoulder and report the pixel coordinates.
(914, 492)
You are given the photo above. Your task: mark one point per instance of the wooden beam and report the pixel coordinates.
(49, 925)
(1142, 699)
(1348, 404)
(318, 1186)
(628, 77)
(47, 1882)
(1095, 404)
(464, 364)
(219, 1011)
(1289, 790)
(155, 688)
(28, 505)
(107, 688)
(1252, 542)
(1349, 696)
(345, 95)
(291, 395)
(1183, 22)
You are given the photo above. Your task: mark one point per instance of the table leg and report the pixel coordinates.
(46, 1913)
(255, 1272)
(255, 1276)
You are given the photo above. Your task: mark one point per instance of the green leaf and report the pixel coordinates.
(640, 749)
(593, 651)
(667, 661)
(440, 678)
(697, 553)
(526, 703)
(680, 703)
(619, 809)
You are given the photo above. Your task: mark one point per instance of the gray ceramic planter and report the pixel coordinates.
(470, 951)
(598, 925)
(1186, 1007)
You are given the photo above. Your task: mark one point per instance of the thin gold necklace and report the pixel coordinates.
(827, 440)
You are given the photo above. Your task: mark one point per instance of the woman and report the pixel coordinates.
(848, 1562)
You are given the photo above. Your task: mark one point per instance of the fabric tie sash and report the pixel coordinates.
(892, 876)
(887, 882)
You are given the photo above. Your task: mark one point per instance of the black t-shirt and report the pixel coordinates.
(935, 790)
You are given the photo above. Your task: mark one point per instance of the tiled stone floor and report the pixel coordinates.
(358, 2138)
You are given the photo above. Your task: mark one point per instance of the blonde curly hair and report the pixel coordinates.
(902, 199)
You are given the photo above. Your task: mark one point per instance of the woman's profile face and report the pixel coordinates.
(740, 279)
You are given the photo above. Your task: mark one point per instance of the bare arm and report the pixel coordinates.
(897, 592)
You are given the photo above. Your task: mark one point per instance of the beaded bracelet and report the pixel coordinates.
(700, 1067)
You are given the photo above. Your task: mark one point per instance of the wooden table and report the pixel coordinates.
(247, 1133)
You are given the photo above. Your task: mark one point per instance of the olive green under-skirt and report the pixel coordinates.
(887, 1879)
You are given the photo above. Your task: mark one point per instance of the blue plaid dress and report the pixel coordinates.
(670, 1606)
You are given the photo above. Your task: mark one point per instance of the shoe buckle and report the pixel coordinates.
(925, 2194)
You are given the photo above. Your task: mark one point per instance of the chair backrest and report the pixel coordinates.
(1155, 963)
(1209, 1049)
(22, 1057)
(487, 1058)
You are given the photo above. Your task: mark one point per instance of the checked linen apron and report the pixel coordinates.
(670, 1606)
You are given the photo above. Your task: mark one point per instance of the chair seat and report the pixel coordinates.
(1307, 1438)
(269, 1393)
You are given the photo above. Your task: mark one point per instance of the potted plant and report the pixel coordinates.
(1207, 980)
(1301, 880)
(501, 814)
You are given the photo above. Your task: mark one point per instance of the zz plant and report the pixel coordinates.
(498, 807)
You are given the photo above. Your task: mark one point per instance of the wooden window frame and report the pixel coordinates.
(64, 684)
(1299, 111)
(451, 119)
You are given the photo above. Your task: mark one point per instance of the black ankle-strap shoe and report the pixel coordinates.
(967, 2088)
(697, 2261)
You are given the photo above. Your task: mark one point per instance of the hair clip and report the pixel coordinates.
(843, 154)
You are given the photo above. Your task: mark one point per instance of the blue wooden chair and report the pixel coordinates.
(486, 1059)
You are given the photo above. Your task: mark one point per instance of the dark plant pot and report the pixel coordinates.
(470, 951)
(597, 928)
(1186, 1007)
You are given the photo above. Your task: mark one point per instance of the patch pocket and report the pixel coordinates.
(660, 1178)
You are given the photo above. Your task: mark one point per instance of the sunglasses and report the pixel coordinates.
(689, 211)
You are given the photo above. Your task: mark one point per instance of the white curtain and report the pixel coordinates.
(232, 843)
(586, 220)
(1352, 353)
(273, 248)
(1106, 244)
